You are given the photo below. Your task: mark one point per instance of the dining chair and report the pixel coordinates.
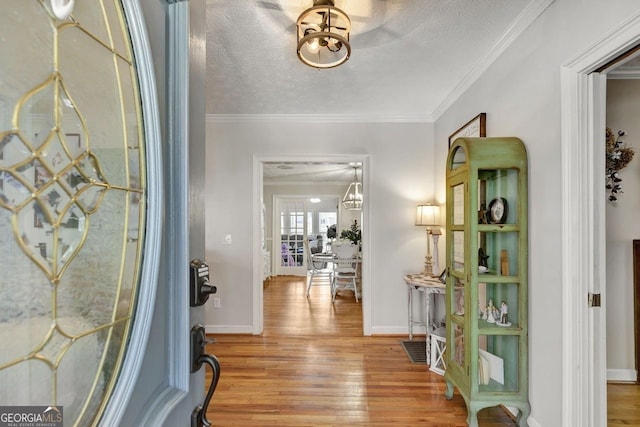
(318, 267)
(345, 268)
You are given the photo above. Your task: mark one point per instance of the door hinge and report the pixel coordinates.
(594, 300)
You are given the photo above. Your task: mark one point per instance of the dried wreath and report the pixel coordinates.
(618, 157)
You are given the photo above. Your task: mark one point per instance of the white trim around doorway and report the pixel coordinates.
(583, 239)
(258, 298)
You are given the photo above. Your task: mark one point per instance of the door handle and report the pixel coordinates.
(199, 356)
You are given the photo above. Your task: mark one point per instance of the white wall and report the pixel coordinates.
(623, 110)
(520, 93)
(401, 176)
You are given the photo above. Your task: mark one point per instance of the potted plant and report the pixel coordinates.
(353, 233)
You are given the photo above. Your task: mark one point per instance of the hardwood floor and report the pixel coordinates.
(623, 404)
(313, 367)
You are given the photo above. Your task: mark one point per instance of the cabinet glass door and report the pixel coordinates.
(457, 221)
(457, 193)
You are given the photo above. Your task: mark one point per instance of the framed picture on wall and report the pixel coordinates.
(476, 127)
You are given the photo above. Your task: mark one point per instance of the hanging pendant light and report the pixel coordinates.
(352, 199)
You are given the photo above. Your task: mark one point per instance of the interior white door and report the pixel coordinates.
(290, 234)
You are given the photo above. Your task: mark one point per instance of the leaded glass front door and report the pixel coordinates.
(72, 203)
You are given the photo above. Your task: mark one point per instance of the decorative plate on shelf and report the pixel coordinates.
(498, 210)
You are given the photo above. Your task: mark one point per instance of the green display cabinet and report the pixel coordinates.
(486, 298)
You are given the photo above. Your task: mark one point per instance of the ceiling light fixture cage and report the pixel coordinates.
(352, 199)
(323, 35)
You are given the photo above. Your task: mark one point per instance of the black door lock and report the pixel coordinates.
(199, 282)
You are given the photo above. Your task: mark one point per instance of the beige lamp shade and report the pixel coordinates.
(428, 215)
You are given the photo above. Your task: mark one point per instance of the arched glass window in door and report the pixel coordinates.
(72, 202)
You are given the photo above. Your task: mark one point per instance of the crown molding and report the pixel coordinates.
(319, 118)
(521, 23)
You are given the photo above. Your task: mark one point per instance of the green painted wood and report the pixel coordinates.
(487, 168)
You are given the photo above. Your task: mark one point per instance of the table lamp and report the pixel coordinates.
(429, 215)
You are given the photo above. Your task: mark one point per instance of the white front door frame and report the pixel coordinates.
(583, 111)
(258, 296)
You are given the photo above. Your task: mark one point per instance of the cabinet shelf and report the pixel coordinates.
(495, 387)
(498, 228)
(486, 328)
(458, 318)
(494, 278)
(487, 226)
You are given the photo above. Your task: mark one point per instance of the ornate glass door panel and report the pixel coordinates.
(72, 203)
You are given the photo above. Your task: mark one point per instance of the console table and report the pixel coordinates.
(427, 286)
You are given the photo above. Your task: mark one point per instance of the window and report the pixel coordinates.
(326, 220)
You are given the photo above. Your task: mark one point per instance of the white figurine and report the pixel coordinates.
(504, 310)
(491, 312)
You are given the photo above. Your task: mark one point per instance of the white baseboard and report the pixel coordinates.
(228, 329)
(533, 423)
(621, 375)
(396, 330)
(380, 330)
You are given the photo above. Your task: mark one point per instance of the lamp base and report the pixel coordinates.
(428, 266)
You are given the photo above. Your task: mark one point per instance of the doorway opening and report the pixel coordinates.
(301, 227)
(636, 304)
(309, 223)
(584, 227)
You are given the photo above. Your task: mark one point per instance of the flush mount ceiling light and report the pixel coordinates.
(323, 35)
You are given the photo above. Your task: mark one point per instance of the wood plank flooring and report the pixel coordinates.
(313, 367)
(623, 404)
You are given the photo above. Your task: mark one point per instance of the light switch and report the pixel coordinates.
(227, 239)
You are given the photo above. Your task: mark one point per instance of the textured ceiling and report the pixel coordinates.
(408, 56)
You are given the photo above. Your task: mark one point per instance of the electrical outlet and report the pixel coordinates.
(227, 239)
(216, 303)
